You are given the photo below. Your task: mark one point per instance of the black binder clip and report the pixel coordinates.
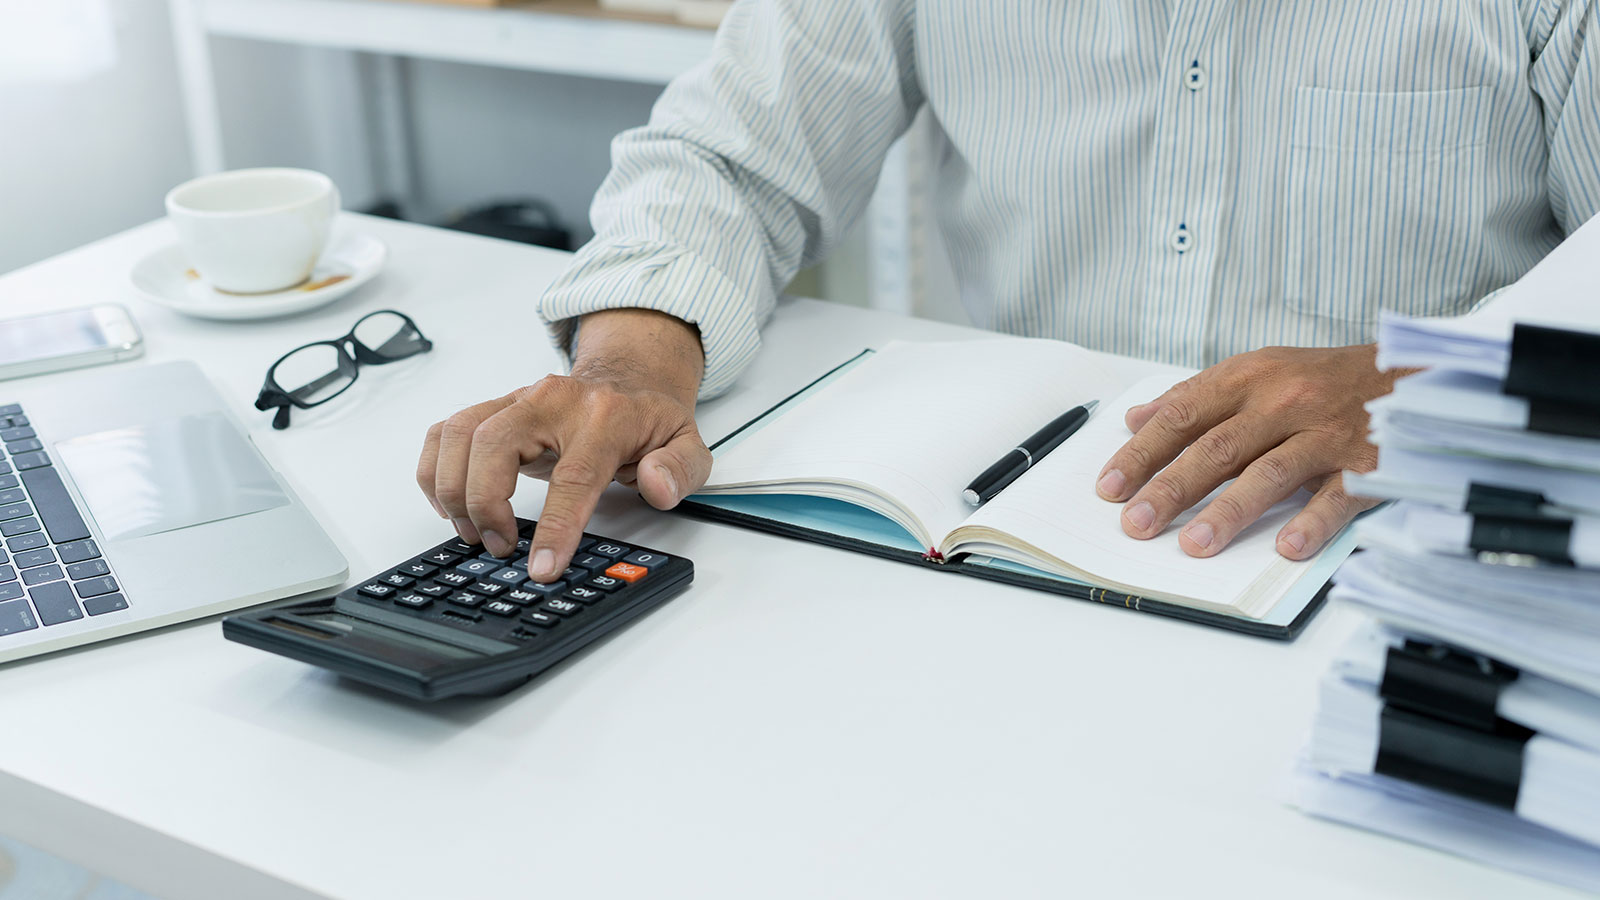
(1440, 729)
(1556, 371)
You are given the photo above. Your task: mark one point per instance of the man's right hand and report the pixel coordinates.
(625, 412)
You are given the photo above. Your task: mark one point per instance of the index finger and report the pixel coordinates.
(1182, 416)
(501, 445)
(576, 482)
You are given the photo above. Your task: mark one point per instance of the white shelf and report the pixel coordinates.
(514, 38)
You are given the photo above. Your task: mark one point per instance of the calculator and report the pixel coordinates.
(457, 620)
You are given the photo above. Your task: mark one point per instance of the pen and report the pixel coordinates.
(1018, 459)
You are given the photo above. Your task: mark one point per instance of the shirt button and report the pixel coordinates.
(1195, 78)
(1182, 240)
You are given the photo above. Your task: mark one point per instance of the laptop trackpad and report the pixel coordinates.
(169, 474)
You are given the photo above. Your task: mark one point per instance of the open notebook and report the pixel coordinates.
(874, 457)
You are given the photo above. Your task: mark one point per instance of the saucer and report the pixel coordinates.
(349, 262)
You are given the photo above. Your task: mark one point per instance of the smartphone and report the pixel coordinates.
(87, 336)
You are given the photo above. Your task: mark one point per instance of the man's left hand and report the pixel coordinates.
(1278, 419)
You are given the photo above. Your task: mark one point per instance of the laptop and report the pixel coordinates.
(131, 499)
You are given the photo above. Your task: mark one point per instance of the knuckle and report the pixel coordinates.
(1181, 413)
(1275, 470)
(459, 426)
(1221, 447)
(571, 470)
(453, 496)
(1166, 491)
(1228, 509)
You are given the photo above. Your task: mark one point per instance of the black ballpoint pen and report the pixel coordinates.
(1019, 459)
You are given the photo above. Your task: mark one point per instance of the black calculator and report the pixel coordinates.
(456, 619)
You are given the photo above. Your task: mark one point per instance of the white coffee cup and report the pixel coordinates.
(251, 231)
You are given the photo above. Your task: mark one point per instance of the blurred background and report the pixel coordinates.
(492, 116)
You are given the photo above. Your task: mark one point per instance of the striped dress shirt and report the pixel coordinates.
(1173, 179)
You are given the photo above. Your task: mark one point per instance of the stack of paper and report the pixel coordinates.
(1466, 715)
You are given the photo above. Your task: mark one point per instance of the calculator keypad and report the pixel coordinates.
(465, 586)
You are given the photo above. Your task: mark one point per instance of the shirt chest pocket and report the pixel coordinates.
(1383, 202)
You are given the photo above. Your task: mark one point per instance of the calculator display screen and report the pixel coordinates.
(402, 643)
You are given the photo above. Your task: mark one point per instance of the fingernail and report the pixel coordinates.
(1111, 484)
(1200, 534)
(466, 529)
(1141, 515)
(496, 544)
(544, 565)
(672, 483)
(438, 509)
(1295, 540)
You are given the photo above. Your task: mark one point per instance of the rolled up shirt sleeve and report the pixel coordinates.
(751, 167)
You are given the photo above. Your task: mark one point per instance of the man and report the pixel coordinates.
(1186, 180)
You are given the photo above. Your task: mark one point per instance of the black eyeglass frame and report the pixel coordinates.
(274, 396)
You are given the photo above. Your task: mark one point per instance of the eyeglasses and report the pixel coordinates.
(324, 369)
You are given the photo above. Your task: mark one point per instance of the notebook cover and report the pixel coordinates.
(964, 565)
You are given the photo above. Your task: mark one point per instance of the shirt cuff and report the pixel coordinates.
(665, 278)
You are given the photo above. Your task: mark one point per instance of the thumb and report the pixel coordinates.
(674, 471)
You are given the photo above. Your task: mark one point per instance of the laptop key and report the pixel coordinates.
(19, 526)
(15, 616)
(21, 432)
(14, 421)
(27, 559)
(25, 446)
(42, 574)
(77, 551)
(8, 481)
(88, 569)
(7, 573)
(15, 511)
(55, 506)
(55, 603)
(25, 461)
(5, 467)
(27, 542)
(11, 409)
(13, 495)
(99, 606)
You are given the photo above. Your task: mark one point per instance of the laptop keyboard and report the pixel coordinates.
(51, 570)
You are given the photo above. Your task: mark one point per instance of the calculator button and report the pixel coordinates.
(510, 576)
(487, 588)
(609, 550)
(477, 568)
(541, 619)
(591, 562)
(518, 595)
(88, 569)
(574, 573)
(544, 590)
(78, 551)
(376, 589)
(524, 546)
(461, 547)
(441, 557)
(584, 594)
(560, 607)
(454, 579)
(604, 583)
(501, 608)
(587, 542)
(466, 598)
(627, 572)
(99, 606)
(414, 599)
(497, 560)
(435, 590)
(398, 579)
(419, 568)
(647, 558)
(461, 616)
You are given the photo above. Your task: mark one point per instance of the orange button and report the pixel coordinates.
(627, 572)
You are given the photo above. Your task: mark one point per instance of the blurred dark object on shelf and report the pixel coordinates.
(529, 221)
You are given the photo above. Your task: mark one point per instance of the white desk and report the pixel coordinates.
(802, 722)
